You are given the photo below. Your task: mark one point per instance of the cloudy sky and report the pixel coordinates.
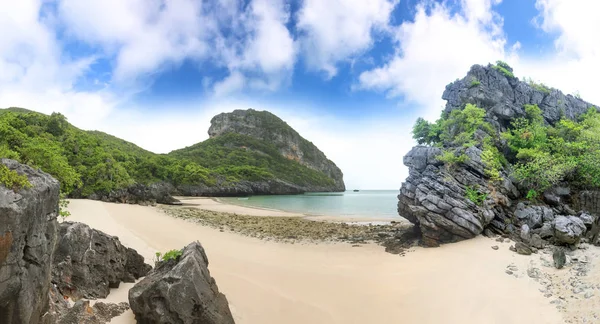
(349, 75)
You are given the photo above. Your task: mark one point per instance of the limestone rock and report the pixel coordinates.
(522, 248)
(88, 262)
(533, 216)
(83, 313)
(568, 229)
(264, 126)
(559, 258)
(28, 229)
(587, 219)
(180, 291)
(547, 230)
(525, 235)
(536, 241)
(433, 195)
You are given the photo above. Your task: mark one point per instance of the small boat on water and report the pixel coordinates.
(356, 190)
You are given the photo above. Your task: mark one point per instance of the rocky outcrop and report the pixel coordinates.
(264, 126)
(139, 194)
(435, 196)
(27, 237)
(504, 98)
(88, 262)
(568, 229)
(83, 313)
(182, 291)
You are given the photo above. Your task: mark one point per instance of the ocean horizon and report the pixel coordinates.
(364, 203)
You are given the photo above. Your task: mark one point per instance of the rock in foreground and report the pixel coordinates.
(180, 290)
(88, 262)
(27, 237)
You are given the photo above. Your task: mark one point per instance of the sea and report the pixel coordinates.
(363, 204)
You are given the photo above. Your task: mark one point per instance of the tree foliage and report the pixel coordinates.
(87, 162)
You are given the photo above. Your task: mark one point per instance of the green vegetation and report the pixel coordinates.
(475, 196)
(169, 255)
(538, 86)
(63, 203)
(451, 159)
(459, 128)
(503, 68)
(538, 156)
(172, 255)
(474, 82)
(12, 180)
(241, 157)
(87, 162)
(546, 155)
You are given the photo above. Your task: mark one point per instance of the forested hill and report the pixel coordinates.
(98, 165)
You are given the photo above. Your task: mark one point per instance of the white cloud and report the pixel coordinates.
(33, 71)
(338, 29)
(234, 82)
(575, 63)
(265, 57)
(143, 35)
(434, 49)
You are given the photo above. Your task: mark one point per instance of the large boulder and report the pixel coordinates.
(533, 216)
(88, 262)
(27, 238)
(434, 197)
(180, 290)
(568, 229)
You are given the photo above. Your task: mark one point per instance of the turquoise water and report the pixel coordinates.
(365, 203)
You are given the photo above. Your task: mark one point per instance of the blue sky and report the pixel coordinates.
(349, 75)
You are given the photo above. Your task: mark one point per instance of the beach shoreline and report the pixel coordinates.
(218, 205)
(331, 282)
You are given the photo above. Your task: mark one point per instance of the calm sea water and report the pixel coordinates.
(365, 203)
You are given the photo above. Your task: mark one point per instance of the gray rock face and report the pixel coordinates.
(88, 262)
(533, 216)
(180, 291)
(504, 97)
(265, 126)
(590, 201)
(433, 196)
(27, 238)
(83, 313)
(568, 229)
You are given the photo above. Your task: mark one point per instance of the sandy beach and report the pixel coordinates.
(273, 282)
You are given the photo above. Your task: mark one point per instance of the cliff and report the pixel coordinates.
(264, 152)
(264, 126)
(506, 156)
(28, 233)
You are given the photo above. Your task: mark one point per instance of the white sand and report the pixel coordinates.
(268, 282)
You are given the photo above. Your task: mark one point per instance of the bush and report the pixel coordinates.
(451, 159)
(12, 180)
(474, 83)
(538, 86)
(475, 196)
(503, 68)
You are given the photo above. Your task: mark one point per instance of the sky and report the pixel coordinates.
(351, 76)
